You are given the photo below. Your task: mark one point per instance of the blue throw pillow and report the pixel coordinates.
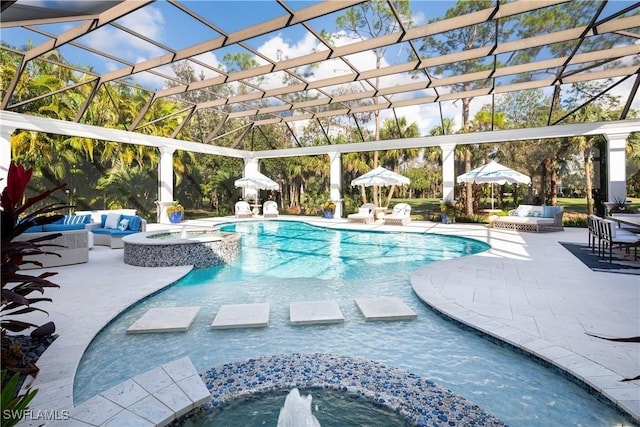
(77, 219)
(548, 211)
(103, 220)
(135, 222)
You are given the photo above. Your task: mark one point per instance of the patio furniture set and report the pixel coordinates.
(269, 210)
(611, 232)
(79, 232)
(367, 214)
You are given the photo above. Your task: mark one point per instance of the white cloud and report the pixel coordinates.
(147, 21)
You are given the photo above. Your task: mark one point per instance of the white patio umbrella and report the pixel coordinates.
(493, 173)
(380, 177)
(257, 181)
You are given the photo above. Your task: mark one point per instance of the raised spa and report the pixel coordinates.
(201, 248)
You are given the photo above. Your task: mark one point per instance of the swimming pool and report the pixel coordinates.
(285, 261)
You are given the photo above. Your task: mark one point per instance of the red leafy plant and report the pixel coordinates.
(19, 290)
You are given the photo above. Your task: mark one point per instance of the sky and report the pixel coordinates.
(165, 23)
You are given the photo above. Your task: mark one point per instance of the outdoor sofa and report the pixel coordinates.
(531, 218)
(72, 244)
(114, 226)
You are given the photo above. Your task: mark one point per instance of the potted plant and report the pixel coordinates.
(448, 211)
(175, 212)
(618, 205)
(329, 208)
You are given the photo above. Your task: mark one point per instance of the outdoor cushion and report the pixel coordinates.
(364, 211)
(124, 223)
(613, 227)
(34, 229)
(135, 222)
(522, 210)
(62, 227)
(113, 232)
(112, 220)
(77, 219)
(548, 211)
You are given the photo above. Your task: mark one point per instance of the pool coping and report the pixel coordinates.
(119, 288)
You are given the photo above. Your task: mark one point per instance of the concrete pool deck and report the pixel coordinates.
(528, 290)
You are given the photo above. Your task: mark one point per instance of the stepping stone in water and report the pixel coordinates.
(168, 319)
(385, 308)
(242, 316)
(310, 312)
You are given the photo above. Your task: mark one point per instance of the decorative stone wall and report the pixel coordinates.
(420, 401)
(142, 250)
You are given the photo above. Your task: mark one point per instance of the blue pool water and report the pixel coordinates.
(284, 261)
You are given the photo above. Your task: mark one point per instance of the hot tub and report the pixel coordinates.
(201, 248)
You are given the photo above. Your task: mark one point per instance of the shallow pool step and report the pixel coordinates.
(385, 308)
(179, 319)
(314, 312)
(242, 316)
(166, 319)
(154, 398)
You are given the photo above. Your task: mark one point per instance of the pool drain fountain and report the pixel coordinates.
(296, 411)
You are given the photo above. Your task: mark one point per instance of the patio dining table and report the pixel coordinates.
(630, 222)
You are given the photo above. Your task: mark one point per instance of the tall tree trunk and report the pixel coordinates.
(396, 169)
(544, 173)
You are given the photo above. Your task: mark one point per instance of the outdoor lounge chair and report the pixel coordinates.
(270, 209)
(243, 210)
(401, 215)
(364, 214)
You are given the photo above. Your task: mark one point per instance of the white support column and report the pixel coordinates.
(5, 153)
(335, 182)
(165, 184)
(616, 166)
(251, 167)
(448, 171)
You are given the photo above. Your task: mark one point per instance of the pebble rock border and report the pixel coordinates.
(212, 248)
(420, 401)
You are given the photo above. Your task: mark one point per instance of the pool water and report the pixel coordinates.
(284, 261)
(330, 407)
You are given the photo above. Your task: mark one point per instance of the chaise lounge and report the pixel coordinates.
(270, 209)
(364, 214)
(531, 218)
(401, 215)
(243, 210)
